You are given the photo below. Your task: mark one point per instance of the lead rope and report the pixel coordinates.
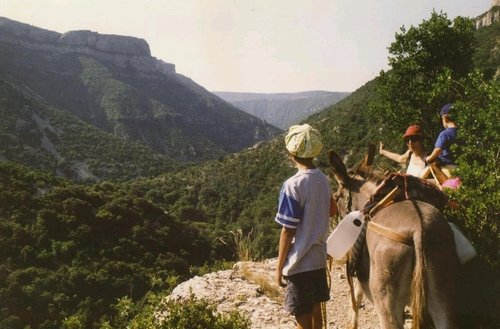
(329, 265)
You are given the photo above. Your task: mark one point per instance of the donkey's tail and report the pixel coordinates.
(418, 281)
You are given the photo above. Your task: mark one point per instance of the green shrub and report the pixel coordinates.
(200, 314)
(157, 313)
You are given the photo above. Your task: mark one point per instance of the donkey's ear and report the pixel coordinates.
(365, 166)
(338, 168)
(370, 155)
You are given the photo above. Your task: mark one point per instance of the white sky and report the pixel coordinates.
(252, 45)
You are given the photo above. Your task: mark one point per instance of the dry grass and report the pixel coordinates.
(268, 287)
(241, 245)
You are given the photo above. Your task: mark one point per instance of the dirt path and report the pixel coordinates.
(339, 305)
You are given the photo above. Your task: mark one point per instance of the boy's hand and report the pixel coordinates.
(279, 279)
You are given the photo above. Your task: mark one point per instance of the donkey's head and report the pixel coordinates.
(356, 185)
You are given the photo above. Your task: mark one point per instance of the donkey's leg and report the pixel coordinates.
(358, 293)
(442, 267)
(355, 304)
(390, 281)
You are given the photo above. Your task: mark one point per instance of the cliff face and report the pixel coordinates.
(119, 50)
(489, 17)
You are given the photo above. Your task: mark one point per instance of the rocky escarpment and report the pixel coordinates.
(248, 286)
(230, 290)
(489, 17)
(123, 51)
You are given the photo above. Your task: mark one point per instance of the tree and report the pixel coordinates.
(432, 65)
(478, 161)
(419, 57)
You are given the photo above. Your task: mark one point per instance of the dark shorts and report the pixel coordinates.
(305, 289)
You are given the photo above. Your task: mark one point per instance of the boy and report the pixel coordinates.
(303, 212)
(442, 153)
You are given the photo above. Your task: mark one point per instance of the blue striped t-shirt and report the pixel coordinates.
(304, 205)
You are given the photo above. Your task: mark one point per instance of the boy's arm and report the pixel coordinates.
(432, 157)
(286, 237)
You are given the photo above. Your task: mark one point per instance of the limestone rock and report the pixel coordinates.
(489, 17)
(107, 43)
(230, 290)
(122, 51)
(242, 289)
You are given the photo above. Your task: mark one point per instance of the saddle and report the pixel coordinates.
(398, 187)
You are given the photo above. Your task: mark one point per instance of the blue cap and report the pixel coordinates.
(446, 109)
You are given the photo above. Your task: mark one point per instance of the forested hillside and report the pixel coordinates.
(43, 137)
(71, 251)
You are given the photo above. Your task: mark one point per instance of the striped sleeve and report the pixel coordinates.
(289, 208)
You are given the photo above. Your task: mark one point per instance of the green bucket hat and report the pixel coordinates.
(303, 141)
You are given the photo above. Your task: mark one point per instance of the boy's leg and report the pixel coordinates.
(312, 320)
(317, 316)
(303, 297)
(304, 321)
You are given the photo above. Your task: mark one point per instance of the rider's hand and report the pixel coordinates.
(381, 147)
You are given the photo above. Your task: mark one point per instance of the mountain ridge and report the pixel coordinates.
(283, 109)
(113, 83)
(120, 50)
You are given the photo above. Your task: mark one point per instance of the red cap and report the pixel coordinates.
(413, 131)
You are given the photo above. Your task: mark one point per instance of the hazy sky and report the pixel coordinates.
(252, 45)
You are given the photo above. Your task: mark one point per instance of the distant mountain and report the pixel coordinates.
(283, 109)
(113, 83)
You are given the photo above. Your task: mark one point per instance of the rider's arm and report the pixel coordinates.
(400, 158)
(432, 157)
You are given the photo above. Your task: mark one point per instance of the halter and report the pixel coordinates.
(348, 200)
(348, 197)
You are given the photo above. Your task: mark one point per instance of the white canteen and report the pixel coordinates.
(344, 235)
